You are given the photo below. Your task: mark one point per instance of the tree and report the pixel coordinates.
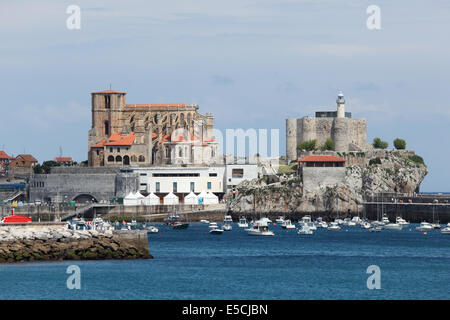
(379, 144)
(308, 145)
(328, 145)
(400, 144)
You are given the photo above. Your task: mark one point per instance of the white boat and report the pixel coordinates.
(365, 225)
(446, 230)
(311, 226)
(279, 220)
(319, 223)
(305, 230)
(378, 223)
(424, 226)
(393, 226)
(305, 220)
(339, 221)
(436, 225)
(204, 221)
(259, 228)
(349, 223)
(243, 223)
(287, 224)
(376, 228)
(152, 229)
(213, 225)
(401, 221)
(385, 219)
(216, 231)
(266, 220)
(334, 226)
(357, 220)
(227, 227)
(227, 219)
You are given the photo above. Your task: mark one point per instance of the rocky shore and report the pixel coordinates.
(27, 244)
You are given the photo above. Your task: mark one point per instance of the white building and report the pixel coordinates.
(236, 173)
(161, 180)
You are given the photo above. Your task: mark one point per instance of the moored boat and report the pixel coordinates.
(259, 228)
(243, 223)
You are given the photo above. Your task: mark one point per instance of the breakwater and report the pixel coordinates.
(34, 242)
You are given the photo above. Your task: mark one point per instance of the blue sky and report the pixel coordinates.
(251, 63)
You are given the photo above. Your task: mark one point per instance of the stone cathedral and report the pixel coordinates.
(148, 134)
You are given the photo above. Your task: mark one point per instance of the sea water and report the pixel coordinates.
(193, 264)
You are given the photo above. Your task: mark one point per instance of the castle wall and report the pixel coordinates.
(291, 139)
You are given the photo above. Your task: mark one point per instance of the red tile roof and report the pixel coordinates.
(157, 105)
(3, 155)
(321, 158)
(101, 144)
(118, 140)
(108, 91)
(27, 157)
(63, 159)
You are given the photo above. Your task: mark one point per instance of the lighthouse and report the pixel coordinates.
(340, 105)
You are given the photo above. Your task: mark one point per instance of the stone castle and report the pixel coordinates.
(148, 134)
(348, 134)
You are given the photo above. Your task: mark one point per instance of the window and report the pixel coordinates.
(133, 159)
(209, 185)
(192, 186)
(118, 149)
(98, 152)
(118, 159)
(213, 174)
(107, 102)
(110, 159)
(157, 187)
(141, 159)
(110, 149)
(106, 127)
(143, 174)
(237, 173)
(180, 153)
(174, 187)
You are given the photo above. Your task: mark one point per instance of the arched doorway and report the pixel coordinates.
(118, 159)
(83, 198)
(126, 160)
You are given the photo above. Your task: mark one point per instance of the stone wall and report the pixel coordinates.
(313, 177)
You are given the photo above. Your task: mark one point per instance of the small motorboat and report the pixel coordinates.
(349, 223)
(376, 228)
(357, 220)
(216, 231)
(204, 221)
(365, 225)
(306, 230)
(213, 225)
(243, 223)
(305, 221)
(385, 219)
(334, 226)
(152, 229)
(401, 221)
(319, 223)
(446, 230)
(436, 225)
(393, 226)
(279, 220)
(287, 224)
(227, 219)
(179, 225)
(227, 227)
(260, 228)
(424, 226)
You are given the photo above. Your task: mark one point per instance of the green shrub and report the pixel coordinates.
(416, 159)
(308, 145)
(328, 145)
(400, 144)
(379, 144)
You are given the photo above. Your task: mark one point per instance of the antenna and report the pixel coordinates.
(60, 151)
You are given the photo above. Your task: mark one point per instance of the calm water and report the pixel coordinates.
(192, 264)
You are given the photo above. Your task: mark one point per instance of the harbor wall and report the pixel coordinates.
(83, 246)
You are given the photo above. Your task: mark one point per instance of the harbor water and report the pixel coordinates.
(193, 264)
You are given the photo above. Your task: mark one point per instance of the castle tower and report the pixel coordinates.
(291, 139)
(106, 109)
(340, 105)
(209, 125)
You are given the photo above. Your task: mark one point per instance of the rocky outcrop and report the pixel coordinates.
(393, 172)
(21, 244)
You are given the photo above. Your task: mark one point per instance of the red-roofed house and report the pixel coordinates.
(318, 171)
(63, 159)
(4, 162)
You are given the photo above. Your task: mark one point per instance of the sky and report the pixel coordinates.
(252, 63)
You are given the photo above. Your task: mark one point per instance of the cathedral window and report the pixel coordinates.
(106, 128)
(107, 102)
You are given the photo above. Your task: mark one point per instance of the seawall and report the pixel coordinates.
(37, 243)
